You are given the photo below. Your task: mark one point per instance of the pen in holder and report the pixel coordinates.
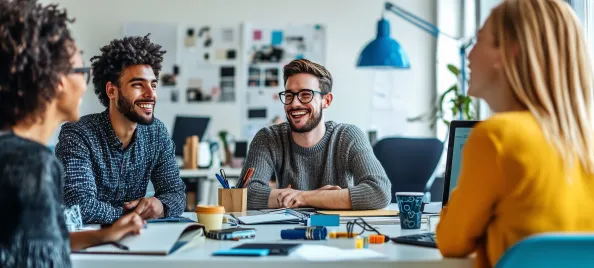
(233, 199)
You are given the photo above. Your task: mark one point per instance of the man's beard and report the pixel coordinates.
(127, 109)
(311, 123)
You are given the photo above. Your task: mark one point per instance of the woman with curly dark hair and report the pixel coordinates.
(42, 80)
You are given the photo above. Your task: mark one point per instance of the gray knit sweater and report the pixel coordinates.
(343, 157)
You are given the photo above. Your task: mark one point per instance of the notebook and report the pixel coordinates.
(155, 239)
(361, 213)
(327, 253)
(268, 219)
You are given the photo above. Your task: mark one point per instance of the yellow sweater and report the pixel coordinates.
(512, 185)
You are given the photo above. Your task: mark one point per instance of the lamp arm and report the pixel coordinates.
(417, 21)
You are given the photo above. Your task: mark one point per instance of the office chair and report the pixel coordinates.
(408, 162)
(551, 250)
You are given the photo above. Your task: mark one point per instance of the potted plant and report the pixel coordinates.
(224, 136)
(450, 104)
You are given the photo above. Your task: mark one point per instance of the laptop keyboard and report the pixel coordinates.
(429, 237)
(424, 239)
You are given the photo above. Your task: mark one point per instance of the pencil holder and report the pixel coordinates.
(234, 199)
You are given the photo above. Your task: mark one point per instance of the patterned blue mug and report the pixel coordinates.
(409, 205)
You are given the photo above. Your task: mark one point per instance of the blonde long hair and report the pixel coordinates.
(546, 63)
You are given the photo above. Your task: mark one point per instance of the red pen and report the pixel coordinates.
(248, 176)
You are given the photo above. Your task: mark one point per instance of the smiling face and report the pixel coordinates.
(303, 117)
(136, 96)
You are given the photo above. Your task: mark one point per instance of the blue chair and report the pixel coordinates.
(551, 250)
(408, 162)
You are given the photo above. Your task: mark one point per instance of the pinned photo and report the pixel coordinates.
(271, 77)
(190, 39)
(254, 74)
(170, 79)
(205, 35)
(174, 95)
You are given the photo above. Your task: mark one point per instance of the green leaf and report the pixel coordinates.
(454, 69)
(443, 95)
(467, 111)
(455, 110)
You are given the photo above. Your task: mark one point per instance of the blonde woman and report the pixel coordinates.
(528, 169)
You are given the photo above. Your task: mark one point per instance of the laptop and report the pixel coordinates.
(458, 134)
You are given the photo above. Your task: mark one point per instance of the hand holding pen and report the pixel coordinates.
(130, 223)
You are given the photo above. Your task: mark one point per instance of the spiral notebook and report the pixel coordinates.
(267, 219)
(155, 239)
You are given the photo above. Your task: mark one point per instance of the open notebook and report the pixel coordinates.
(156, 239)
(267, 219)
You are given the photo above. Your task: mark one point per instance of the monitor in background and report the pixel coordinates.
(459, 131)
(241, 149)
(185, 127)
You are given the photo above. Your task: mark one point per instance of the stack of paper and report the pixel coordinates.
(326, 253)
(268, 219)
(361, 213)
(432, 208)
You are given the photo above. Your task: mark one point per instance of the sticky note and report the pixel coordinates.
(277, 38)
(228, 35)
(221, 54)
(257, 35)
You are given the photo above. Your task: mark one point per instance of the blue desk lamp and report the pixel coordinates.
(385, 52)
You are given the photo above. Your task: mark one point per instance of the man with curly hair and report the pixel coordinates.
(110, 157)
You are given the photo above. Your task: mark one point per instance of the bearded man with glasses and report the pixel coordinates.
(316, 163)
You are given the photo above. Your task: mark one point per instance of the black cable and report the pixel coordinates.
(365, 226)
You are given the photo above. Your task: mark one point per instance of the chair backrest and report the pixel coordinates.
(408, 162)
(551, 250)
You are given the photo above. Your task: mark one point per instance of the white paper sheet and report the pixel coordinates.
(432, 208)
(326, 253)
(267, 218)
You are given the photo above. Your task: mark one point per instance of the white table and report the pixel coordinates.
(398, 255)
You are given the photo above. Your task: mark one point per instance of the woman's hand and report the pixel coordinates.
(130, 223)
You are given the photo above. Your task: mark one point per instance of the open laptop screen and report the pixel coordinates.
(459, 131)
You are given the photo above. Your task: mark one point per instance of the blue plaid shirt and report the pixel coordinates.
(100, 175)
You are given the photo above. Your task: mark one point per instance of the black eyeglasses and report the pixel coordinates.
(86, 71)
(305, 96)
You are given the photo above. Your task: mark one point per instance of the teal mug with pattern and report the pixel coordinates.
(409, 206)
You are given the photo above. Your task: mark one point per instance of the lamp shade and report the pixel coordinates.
(383, 52)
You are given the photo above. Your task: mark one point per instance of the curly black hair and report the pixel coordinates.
(35, 50)
(119, 54)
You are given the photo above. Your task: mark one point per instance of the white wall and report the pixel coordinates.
(350, 25)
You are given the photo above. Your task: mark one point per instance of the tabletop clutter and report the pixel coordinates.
(304, 224)
(313, 224)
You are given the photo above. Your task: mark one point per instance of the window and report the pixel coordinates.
(584, 9)
(589, 25)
